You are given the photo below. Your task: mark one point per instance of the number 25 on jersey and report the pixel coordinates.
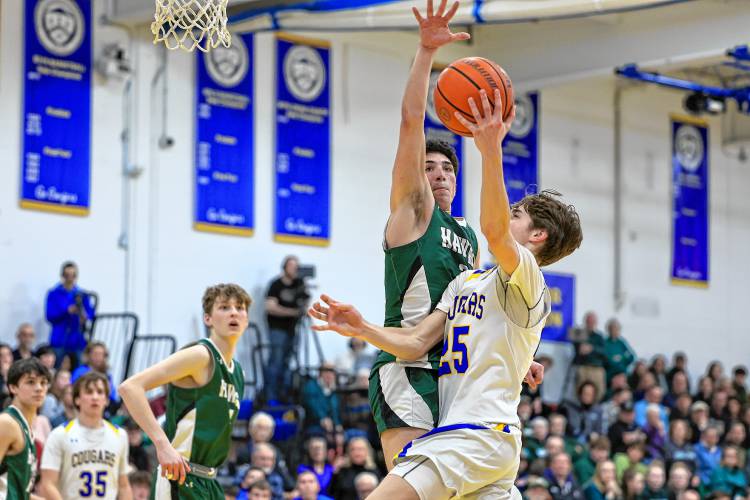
(455, 357)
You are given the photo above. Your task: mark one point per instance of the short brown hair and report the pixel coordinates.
(560, 221)
(225, 291)
(260, 485)
(140, 478)
(88, 379)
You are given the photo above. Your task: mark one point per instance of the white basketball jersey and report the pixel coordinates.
(493, 328)
(90, 461)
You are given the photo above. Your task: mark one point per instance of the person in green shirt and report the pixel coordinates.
(617, 350)
(590, 356)
(729, 476)
(28, 380)
(585, 467)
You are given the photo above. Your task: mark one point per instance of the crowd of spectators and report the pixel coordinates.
(630, 428)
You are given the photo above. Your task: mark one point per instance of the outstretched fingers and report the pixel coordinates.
(441, 8)
(417, 15)
(452, 12)
(430, 10)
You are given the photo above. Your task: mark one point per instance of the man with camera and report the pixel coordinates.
(67, 309)
(286, 302)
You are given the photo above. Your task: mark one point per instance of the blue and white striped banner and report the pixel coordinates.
(562, 289)
(690, 183)
(56, 149)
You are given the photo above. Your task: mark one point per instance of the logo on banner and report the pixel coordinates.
(304, 72)
(524, 120)
(431, 111)
(228, 66)
(689, 147)
(59, 26)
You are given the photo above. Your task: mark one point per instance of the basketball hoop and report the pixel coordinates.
(191, 24)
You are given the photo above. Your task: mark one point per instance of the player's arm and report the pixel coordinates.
(191, 363)
(409, 343)
(123, 488)
(411, 200)
(495, 212)
(48, 484)
(9, 433)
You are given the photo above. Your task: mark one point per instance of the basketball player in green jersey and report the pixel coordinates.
(28, 380)
(425, 248)
(205, 386)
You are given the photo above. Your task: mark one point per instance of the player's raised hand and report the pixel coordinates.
(174, 467)
(344, 319)
(489, 128)
(433, 29)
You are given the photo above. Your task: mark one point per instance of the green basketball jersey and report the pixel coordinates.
(17, 472)
(199, 421)
(417, 273)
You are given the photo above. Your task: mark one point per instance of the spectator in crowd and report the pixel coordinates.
(658, 369)
(69, 408)
(736, 435)
(140, 484)
(286, 299)
(646, 382)
(585, 417)
(264, 458)
(141, 457)
(357, 416)
(95, 357)
(699, 419)
(585, 467)
(68, 308)
(620, 355)
(678, 447)
(591, 357)
(537, 489)
(562, 485)
(359, 458)
(715, 371)
(636, 373)
(656, 432)
(317, 462)
(633, 485)
(558, 426)
(718, 411)
(365, 483)
(6, 360)
(689, 494)
(604, 483)
(53, 407)
(321, 404)
(252, 476)
(705, 389)
(708, 453)
(679, 479)
(26, 337)
(47, 356)
(653, 396)
(656, 478)
(681, 408)
(357, 358)
(534, 443)
(739, 383)
(734, 410)
(308, 487)
(624, 431)
(729, 476)
(260, 429)
(260, 490)
(611, 407)
(677, 386)
(633, 457)
(679, 364)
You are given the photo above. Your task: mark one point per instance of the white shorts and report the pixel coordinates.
(462, 461)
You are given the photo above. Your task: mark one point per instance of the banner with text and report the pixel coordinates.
(435, 130)
(224, 139)
(521, 149)
(690, 201)
(56, 141)
(303, 141)
(562, 289)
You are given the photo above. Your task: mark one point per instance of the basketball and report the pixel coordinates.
(464, 78)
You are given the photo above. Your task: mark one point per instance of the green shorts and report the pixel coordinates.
(403, 396)
(194, 488)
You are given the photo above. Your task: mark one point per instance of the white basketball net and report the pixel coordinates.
(191, 24)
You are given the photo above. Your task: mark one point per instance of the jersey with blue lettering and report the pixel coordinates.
(89, 461)
(493, 328)
(417, 273)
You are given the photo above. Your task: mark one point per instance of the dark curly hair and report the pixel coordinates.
(560, 221)
(435, 146)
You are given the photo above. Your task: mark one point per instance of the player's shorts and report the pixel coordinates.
(194, 488)
(463, 460)
(403, 396)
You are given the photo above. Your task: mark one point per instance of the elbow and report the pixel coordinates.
(124, 389)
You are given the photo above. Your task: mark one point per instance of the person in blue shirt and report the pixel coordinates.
(67, 310)
(308, 487)
(708, 453)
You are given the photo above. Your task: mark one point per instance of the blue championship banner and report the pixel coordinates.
(562, 290)
(303, 142)
(56, 150)
(435, 130)
(690, 201)
(521, 149)
(224, 139)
